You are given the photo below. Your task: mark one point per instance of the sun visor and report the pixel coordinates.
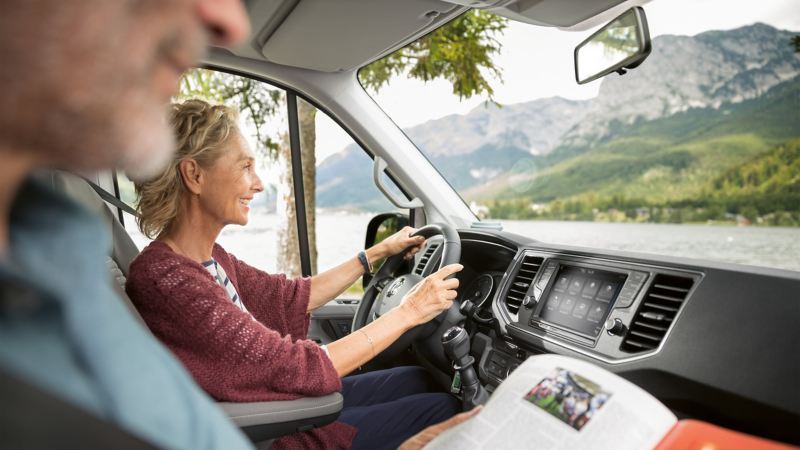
(337, 35)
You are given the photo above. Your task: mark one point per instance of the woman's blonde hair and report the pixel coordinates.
(200, 130)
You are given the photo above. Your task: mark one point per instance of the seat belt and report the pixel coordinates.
(33, 419)
(113, 201)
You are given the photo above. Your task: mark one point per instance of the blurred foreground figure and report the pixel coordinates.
(85, 87)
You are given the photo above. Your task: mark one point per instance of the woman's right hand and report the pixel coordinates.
(432, 295)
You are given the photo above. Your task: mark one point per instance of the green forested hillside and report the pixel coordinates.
(765, 188)
(687, 160)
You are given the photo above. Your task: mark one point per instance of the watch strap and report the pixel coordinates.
(362, 256)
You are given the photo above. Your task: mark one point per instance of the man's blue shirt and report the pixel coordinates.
(64, 329)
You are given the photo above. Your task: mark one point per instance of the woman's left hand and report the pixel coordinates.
(402, 240)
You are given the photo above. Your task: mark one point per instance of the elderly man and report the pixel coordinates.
(85, 84)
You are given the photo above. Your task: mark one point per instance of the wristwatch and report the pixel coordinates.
(362, 256)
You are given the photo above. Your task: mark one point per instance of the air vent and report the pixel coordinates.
(521, 282)
(420, 269)
(656, 313)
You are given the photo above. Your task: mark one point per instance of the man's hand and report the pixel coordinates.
(425, 436)
(400, 241)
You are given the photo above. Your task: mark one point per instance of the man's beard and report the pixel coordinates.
(148, 145)
(150, 160)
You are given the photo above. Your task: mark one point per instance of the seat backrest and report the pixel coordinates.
(121, 250)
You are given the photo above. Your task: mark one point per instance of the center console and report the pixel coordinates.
(574, 300)
(609, 310)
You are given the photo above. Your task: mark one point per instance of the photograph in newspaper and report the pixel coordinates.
(569, 397)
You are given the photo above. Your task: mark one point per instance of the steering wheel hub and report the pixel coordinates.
(395, 286)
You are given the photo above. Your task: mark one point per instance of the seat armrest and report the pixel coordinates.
(268, 420)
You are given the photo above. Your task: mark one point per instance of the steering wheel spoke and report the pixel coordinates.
(380, 284)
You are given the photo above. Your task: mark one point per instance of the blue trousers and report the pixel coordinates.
(389, 406)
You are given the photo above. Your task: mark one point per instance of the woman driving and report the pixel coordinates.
(240, 331)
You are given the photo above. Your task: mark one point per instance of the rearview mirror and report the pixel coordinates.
(622, 44)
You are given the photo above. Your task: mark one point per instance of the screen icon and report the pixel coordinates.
(567, 305)
(581, 308)
(562, 283)
(606, 292)
(597, 312)
(554, 302)
(575, 285)
(591, 288)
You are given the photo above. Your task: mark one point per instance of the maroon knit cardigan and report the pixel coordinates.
(232, 356)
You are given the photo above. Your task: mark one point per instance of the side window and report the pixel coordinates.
(338, 172)
(263, 121)
(340, 196)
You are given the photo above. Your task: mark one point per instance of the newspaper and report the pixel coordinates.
(556, 402)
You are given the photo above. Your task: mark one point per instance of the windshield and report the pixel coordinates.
(695, 153)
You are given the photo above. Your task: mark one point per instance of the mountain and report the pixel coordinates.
(535, 127)
(469, 149)
(663, 160)
(696, 107)
(685, 72)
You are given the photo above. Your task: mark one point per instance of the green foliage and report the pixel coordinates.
(460, 52)
(764, 188)
(254, 99)
(796, 44)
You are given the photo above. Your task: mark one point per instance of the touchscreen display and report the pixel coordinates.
(581, 298)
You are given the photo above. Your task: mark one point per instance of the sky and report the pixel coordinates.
(537, 62)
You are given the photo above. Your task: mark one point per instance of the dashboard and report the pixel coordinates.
(712, 341)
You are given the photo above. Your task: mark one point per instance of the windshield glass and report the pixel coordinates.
(695, 153)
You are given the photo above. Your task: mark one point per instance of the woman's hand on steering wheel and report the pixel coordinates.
(434, 294)
(400, 241)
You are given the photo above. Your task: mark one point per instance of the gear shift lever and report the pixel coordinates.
(456, 346)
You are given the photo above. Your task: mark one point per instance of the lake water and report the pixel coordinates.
(340, 236)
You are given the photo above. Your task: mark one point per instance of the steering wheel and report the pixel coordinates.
(385, 291)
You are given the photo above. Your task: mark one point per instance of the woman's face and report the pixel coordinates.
(230, 183)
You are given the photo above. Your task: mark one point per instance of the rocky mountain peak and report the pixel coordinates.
(683, 72)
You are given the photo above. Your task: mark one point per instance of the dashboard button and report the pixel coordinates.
(628, 291)
(638, 277)
(615, 327)
(529, 301)
(624, 300)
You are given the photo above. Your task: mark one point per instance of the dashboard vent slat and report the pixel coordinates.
(658, 310)
(661, 307)
(671, 288)
(667, 297)
(522, 280)
(423, 261)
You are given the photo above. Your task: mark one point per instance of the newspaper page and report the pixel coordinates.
(556, 402)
